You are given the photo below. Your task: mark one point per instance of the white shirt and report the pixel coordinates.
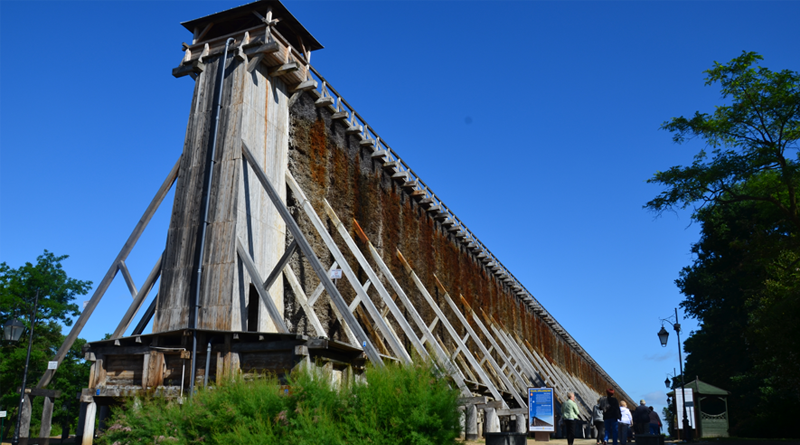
(626, 415)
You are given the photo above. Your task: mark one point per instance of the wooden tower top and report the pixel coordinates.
(251, 15)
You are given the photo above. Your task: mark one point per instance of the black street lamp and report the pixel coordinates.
(12, 331)
(663, 335)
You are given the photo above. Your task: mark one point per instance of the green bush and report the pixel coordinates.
(397, 405)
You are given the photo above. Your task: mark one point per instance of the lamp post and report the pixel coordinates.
(12, 331)
(663, 335)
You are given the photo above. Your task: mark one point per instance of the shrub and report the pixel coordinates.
(396, 405)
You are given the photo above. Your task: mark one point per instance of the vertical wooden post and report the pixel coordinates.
(103, 413)
(472, 423)
(47, 418)
(81, 421)
(88, 423)
(492, 420)
(521, 424)
(25, 423)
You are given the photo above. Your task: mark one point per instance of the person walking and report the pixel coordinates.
(641, 418)
(597, 420)
(611, 416)
(655, 422)
(569, 412)
(625, 422)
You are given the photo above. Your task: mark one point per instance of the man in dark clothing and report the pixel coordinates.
(655, 422)
(641, 418)
(611, 416)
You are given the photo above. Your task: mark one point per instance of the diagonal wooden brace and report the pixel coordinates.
(276, 317)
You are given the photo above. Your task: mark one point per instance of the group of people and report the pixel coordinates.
(614, 420)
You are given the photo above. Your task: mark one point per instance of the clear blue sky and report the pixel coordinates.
(536, 122)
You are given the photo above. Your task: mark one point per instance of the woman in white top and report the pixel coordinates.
(625, 422)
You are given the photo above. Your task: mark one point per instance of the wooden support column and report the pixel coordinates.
(301, 358)
(471, 421)
(47, 417)
(88, 423)
(521, 423)
(103, 412)
(25, 423)
(81, 421)
(492, 420)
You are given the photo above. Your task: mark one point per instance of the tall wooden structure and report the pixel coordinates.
(281, 182)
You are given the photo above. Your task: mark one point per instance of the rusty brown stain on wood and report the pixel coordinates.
(318, 153)
(328, 163)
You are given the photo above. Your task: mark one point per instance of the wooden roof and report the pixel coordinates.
(702, 388)
(242, 17)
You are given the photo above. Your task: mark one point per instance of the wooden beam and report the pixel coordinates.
(443, 320)
(276, 316)
(199, 36)
(148, 314)
(440, 355)
(112, 271)
(375, 280)
(320, 287)
(126, 274)
(522, 384)
(305, 204)
(300, 296)
(138, 299)
(276, 271)
(308, 251)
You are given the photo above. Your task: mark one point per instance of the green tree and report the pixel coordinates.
(743, 283)
(751, 139)
(57, 291)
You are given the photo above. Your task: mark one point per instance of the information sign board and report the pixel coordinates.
(541, 415)
(689, 407)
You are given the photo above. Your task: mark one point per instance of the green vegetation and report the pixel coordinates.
(397, 405)
(56, 293)
(744, 283)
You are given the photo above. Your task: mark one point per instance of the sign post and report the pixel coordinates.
(541, 415)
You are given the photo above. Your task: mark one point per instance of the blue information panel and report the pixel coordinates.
(541, 416)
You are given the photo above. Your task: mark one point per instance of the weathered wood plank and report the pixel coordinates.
(277, 318)
(394, 342)
(308, 251)
(421, 287)
(300, 296)
(138, 299)
(373, 278)
(441, 356)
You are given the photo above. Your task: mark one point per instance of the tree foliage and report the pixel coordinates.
(755, 136)
(743, 283)
(57, 291)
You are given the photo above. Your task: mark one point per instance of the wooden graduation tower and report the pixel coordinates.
(280, 183)
(253, 109)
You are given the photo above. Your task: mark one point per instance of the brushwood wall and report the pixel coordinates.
(331, 164)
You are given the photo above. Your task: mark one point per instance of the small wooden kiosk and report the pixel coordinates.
(711, 408)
